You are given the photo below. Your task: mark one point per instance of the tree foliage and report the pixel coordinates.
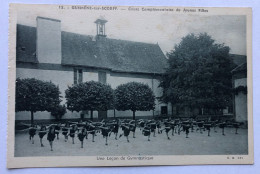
(93, 96)
(134, 96)
(58, 111)
(35, 95)
(199, 73)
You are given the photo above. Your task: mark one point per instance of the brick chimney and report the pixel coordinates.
(48, 40)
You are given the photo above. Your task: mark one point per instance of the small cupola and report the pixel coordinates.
(101, 29)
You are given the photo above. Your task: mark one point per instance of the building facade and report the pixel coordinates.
(46, 53)
(240, 92)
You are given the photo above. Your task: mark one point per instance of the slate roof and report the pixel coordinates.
(240, 68)
(100, 52)
(238, 59)
(26, 44)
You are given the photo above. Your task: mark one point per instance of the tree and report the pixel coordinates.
(93, 96)
(199, 74)
(58, 111)
(35, 95)
(135, 97)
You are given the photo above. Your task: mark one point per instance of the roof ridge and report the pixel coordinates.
(232, 54)
(95, 36)
(110, 38)
(26, 25)
(242, 64)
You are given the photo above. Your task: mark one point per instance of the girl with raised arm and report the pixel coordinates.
(81, 135)
(132, 127)
(57, 130)
(51, 135)
(105, 131)
(42, 132)
(147, 131)
(115, 128)
(32, 132)
(65, 131)
(167, 129)
(126, 129)
(73, 132)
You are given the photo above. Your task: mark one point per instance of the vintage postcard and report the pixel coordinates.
(129, 86)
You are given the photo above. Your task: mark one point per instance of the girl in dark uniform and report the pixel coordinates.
(207, 127)
(105, 131)
(172, 124)
(147, 131)
(192, 124)
(236, 126)
(57, 130)
(115, 128)
(158, 125)
(81, 135)
(126, 129)
(132, 127)
(186, 127)
(65, 131)
(92, 130)
(153, 128)
(42, 132)
(86, 126)
(167, 128)
(214, 125)
(80, 124)
(73, 132)
(51, 136)
(32, 132)
(141, 124)
(222, 126)
(177, 123)
(200, 125)
(179, 126)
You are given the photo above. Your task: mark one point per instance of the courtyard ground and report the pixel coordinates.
(196, 144)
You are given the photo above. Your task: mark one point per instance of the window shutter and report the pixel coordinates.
(75, 76)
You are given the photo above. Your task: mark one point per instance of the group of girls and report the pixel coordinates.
(73, 129)
(81, 130)
(177, 126)
(42, 131)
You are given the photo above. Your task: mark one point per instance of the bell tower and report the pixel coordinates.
(101, 29)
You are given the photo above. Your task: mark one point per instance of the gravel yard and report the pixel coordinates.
(196, 144)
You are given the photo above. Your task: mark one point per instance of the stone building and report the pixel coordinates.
(46, 53)
(240, 92)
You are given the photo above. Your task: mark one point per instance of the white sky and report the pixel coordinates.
(164, 28)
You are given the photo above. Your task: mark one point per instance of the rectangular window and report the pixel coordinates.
(78, 76)
(75, 76)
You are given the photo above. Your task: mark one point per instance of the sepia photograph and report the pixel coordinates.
(118, 86)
